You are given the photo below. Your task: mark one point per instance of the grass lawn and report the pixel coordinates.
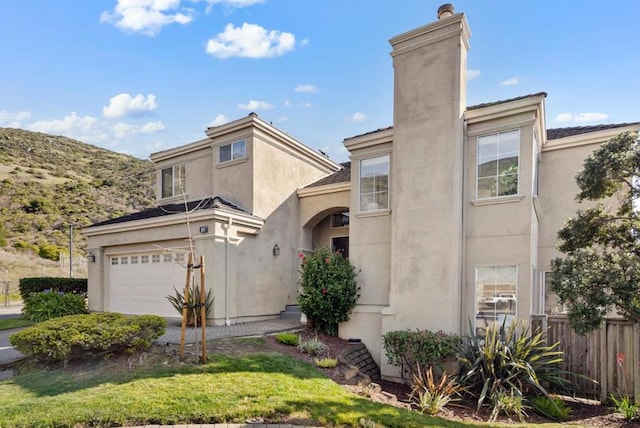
(9, 323)
(275, 387)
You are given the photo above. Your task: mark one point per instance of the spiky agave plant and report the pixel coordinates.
(193, 313)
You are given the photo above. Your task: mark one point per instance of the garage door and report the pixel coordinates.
(139, 284)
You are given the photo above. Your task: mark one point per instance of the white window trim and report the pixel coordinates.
(379, 211)
(232, 160)
(181, 190)
(495, 199)
(475, 289)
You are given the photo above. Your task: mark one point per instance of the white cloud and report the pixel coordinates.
(581, 117)
(84, 128)
(13, 120)
(307, 89)
(356, 118)
(306, 105)
(147, 16)
(250, 41)
(304, 42)
(232, 3)
(287, 103)
(125, 105)
(124, 130)
(511, 82)
(472, 74)
(255, 105)
(220, 119)
(341, 149)
(283, 119)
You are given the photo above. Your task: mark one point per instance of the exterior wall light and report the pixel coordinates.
(276, 250)
(204, 229)
(91, 258)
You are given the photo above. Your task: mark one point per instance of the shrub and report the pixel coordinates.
(329, 291)
(43, 306)
(193, 305)
(551, 407)
(49, 251)
(510, 403)
(288, 339)
(313, 346)
(505, 363)
(87, 336)
(411, 349)
(326, 363)
(29, 286)
(625, 406)
(431, 396)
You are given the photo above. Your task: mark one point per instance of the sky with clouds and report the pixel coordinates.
(140, 76)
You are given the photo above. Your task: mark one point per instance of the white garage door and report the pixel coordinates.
(139, 284)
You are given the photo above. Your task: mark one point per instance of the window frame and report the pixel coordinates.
(178, 181)
(343, 215)
(361, 207)
(232, 155)
(488, 319)
(498, 174)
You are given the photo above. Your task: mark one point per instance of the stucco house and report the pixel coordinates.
(451, 214)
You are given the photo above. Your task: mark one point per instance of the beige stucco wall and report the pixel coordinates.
(234, 179)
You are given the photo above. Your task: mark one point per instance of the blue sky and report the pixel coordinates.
(139, 76)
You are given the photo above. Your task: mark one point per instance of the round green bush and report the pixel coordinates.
(329, 290)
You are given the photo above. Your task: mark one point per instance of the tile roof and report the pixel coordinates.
(370, 132)
(170, 209)
(554, 134)
(493, 103)
(341, 176)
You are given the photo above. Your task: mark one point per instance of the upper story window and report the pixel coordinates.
(497, 166)
(374, 183)
(235, 150)
(174, 181)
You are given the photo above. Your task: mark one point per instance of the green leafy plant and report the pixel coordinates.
(412, 349)
(43, 306)
(86, 336)
(288, 339)
(505, 362)
(551, 407)
(625, 406)
(508, 402)
(193, 312)
(313, 346)
(431, 396)
(326, 363)
(329, 290)
(34, 285)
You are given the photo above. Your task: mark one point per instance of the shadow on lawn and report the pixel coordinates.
(78, 375)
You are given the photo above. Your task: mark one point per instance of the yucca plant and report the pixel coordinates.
(193, 313)
(510, 360)
(431, 396)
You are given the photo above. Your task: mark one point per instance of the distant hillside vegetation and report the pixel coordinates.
(49, 183)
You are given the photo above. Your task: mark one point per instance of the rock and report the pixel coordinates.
(351, 372)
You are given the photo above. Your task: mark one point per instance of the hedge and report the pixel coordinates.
(30, 286)
(87, 336)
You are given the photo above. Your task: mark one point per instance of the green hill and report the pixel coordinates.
(50, 183)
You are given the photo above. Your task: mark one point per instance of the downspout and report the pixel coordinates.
(227, 321)
(463, 258)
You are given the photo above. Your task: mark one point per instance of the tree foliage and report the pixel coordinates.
(600, 271)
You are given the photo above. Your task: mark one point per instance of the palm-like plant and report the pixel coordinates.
(193, 313)
(510, 360)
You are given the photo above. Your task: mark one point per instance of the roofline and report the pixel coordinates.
(509, 107)
(595, 137)
(324, 189)
(369, 139)
(170, 220)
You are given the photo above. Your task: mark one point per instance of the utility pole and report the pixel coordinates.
(71, 251)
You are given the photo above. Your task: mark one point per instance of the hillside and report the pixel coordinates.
(50, 183)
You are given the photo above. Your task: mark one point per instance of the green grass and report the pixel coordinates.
(228, 389)
(9, 323)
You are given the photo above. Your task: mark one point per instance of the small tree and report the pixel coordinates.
(601, 269)
(329, 289)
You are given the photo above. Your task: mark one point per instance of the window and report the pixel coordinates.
(174, 181)
(498, 161)
(144, 259)
(134, 260)
(124, 260)
(167, 258)
(114, 261)
(180, 257)
(340, 219)
(496, 294)
(155, 258)
(374, 183)
(235, 150)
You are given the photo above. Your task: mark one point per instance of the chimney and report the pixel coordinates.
(445, 11)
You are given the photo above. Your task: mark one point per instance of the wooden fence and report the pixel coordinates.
(608, 359)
